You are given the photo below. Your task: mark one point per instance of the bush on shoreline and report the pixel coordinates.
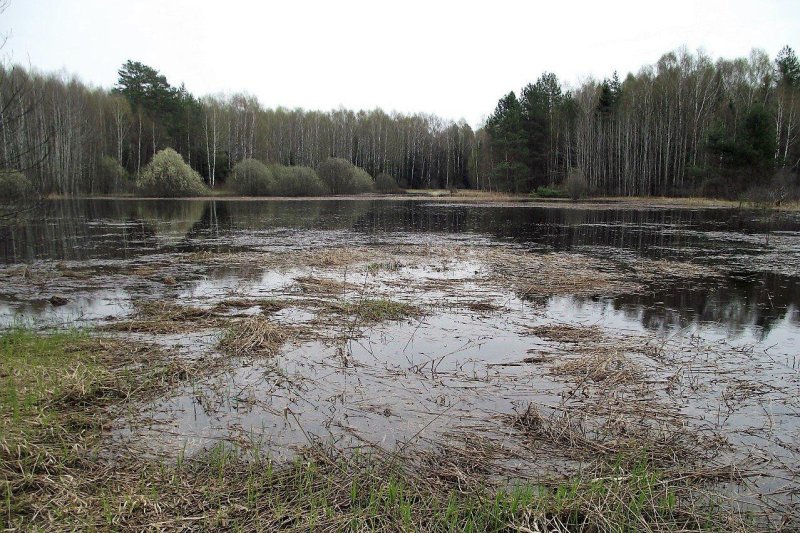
(297, 181)
(169, 176)
(549, 192)
(251, 177)
(111, 177)
(15, 187)
(342, 177)
(385, 183)
(576, 184)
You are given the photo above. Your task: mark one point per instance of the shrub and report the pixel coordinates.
(15, 187)
(576, 184)
(297, 181)
(251, 177)
(168, 175)
(111, 176)
(342, 177)
(781, 188)
(360, 182)
(386, 184)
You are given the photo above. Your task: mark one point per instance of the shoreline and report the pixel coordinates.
(471, 197)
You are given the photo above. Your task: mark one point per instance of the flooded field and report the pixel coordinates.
(495, 342)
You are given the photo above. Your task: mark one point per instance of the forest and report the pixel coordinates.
(686, 125)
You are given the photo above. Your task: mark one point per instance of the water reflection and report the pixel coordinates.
(733, 321)
(735, 306)
(86, 229)
(761, 254)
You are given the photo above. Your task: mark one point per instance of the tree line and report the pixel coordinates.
(74, 138)
(685, 125)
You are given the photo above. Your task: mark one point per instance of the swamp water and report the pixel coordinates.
(535, 338)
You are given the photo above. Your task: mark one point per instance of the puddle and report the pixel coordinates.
(81, 309)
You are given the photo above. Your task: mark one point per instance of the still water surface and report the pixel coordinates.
(757, 298)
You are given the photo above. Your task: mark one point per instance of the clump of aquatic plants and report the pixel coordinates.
(378, 310)
(254, 336)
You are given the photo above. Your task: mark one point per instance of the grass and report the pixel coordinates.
(59, 392)
(369, 492)
(267, 305)
(311, 284)
(164, 317)
(254, 336)
(549, 192)
(378, 310)
(32, 370)
(62, 390)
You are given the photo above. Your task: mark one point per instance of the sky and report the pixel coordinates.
(453, 59)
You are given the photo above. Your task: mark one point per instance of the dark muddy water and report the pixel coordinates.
(758, 297)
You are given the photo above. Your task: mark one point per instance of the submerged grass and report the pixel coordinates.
(267, 305)
(165, 317)
(378, 310)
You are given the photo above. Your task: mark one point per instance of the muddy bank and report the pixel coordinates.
(481, 196)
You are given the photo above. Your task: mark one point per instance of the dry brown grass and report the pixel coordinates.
(568, 333)
(593, 356)
(165, 317)
(61, 394)
(541, 275)
(255, 336)
(267, 305)
(314, 285)
(482, 307)
(608, 366)
(575, 434)
(145, 271)
(332, 257)
(655, 270)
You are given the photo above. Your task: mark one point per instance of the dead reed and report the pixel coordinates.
(165, 317)
(255, 336)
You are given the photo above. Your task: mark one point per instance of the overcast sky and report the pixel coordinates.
(454, 59)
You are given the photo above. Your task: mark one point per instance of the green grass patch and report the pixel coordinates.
(228, 489)
(549, 192)
(379, 310)
(59, 391)
(35, 369)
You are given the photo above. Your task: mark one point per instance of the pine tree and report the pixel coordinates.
(788, 67)
(509, 143)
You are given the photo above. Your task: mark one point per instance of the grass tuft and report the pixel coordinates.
(255, 336)
(379, 310)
